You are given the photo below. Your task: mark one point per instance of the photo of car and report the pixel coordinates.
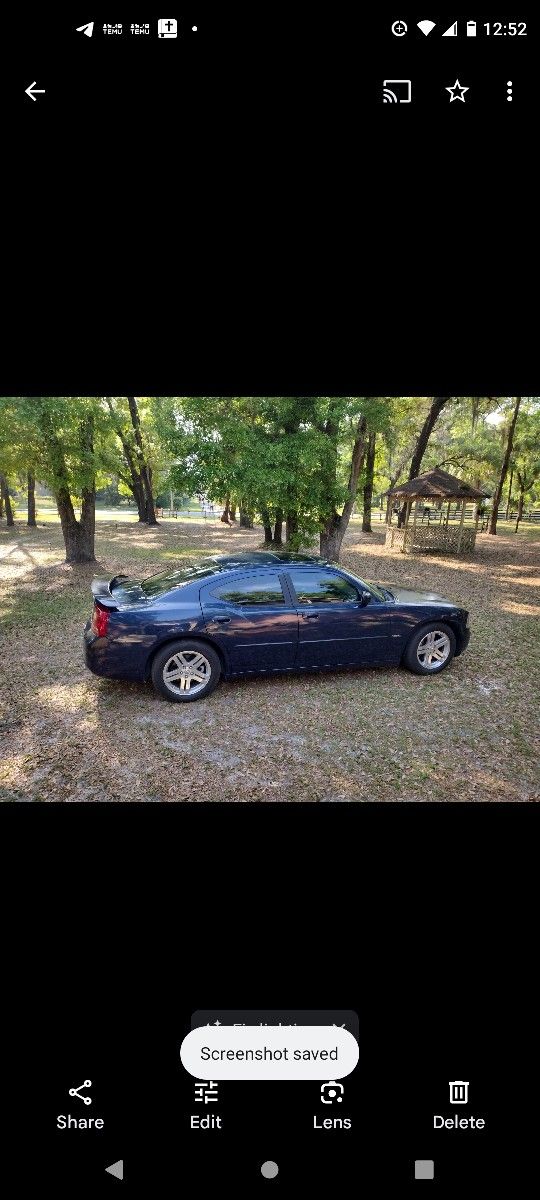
(261, 612)
(302, 565)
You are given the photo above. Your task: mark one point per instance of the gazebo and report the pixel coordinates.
(440, 536)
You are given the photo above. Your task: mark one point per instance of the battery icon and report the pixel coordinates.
(471, 28)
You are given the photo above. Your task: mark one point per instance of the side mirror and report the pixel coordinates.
(366, 597)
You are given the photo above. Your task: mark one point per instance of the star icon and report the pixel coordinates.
(217, 1022)
(457, 92)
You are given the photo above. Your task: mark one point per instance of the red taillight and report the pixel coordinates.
(100, 620)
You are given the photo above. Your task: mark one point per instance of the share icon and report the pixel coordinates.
(77, 1091)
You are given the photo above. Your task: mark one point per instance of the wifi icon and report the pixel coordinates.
(426, 27)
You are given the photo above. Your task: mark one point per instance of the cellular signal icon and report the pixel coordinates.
(396, 91)
(451, 31)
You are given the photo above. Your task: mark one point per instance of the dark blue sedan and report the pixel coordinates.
(263, 612)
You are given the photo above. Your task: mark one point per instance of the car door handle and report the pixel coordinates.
(310, 616)
(221, 620)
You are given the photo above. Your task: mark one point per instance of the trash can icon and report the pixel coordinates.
(459, 1091)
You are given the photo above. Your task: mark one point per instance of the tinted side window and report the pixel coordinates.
(321, 587)
(263, 589)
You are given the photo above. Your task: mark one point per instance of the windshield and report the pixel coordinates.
(155, 585)
(378, 591)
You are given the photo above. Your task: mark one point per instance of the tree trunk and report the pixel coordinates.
(520, 506)
(402, 514)
(246, 520)
(7, 500)
(267, 525)
(395, 473)
(78, 535)
(225, 514)
(135, 481)
(232, 512)
(509, 501)
(137, 495)
(144, 468)
(436, 407)
(291, 525)
(492, 528)
(31, 499)
(1, 504)
(333, 526)
(140, 500)
(368, 486)
(331, 539)
(69, 523)
(87, 523)
(278, 528)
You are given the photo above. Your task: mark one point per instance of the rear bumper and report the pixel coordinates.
(103, 656)
(95, 652)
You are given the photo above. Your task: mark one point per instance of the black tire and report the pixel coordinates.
(210, 668)
(418, 649)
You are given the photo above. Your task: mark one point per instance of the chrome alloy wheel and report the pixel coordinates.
(433, 649)
(187, 671)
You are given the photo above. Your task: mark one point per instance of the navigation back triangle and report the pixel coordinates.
(116, 1169)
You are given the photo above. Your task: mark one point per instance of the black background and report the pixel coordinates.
(259, 220)
(124, 923)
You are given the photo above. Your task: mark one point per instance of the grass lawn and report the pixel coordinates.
(47, 513)
(361, 736)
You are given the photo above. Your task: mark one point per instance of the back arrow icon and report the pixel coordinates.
(31, 90)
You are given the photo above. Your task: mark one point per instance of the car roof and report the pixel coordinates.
(265, 558)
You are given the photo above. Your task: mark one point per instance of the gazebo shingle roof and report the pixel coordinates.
(437, 484)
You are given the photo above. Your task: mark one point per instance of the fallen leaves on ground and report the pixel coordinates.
(339, 737)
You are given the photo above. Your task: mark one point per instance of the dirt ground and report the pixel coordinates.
(469, 734)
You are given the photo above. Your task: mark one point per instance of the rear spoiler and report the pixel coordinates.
(102, 590)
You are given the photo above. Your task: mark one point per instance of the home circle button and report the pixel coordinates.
(269, 1169)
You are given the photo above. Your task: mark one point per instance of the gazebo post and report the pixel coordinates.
(477, 519)
(461, 525)
(407, 519)
(447, 514)
(414, 521)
